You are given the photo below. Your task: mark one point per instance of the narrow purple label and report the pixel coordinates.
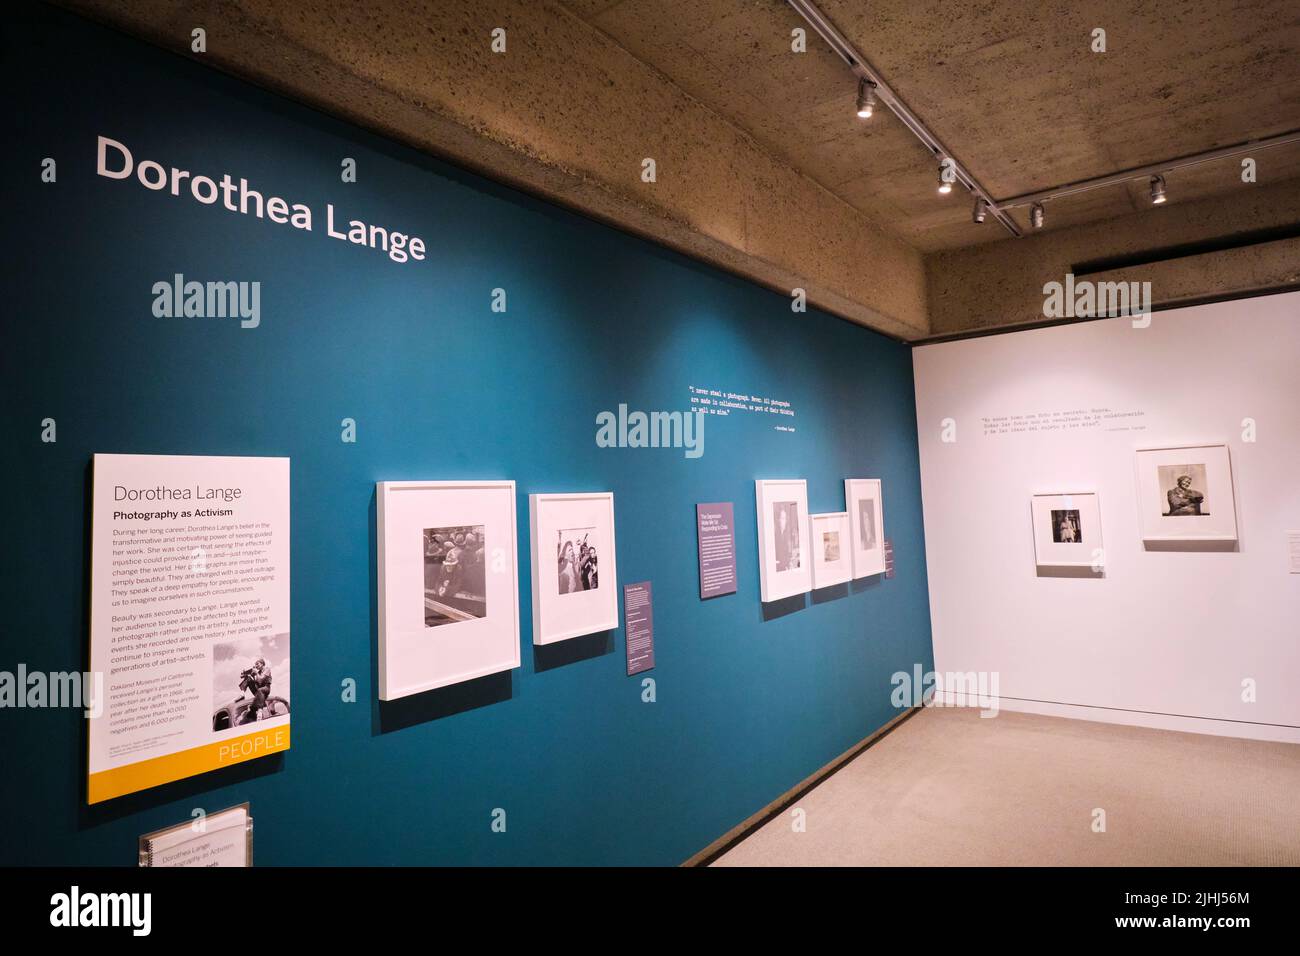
(717, 537)
(639, 618)
(889, 557)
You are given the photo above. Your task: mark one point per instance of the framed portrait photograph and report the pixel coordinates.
(1067, 531)
(867, 525)
(448, 583)
(1186, 495)
(832, 548)
(575, 574)
(784, 563)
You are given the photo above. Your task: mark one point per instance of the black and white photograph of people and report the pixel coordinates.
(577, 561)
(454, 575)
(785, 515)
(1183, 486)
(1065, 526)
(249, 667)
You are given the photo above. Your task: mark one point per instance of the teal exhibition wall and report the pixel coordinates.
(749, 699)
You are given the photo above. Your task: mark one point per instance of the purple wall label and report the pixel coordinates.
(717, 536)
(889, 557)
(639, 621)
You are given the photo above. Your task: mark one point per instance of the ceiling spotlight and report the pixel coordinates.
(945, 186)
(866, 98)
(981, 209)
(1157, 189)
(1036, 215)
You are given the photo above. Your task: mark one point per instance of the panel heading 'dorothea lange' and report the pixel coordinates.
(114, 160)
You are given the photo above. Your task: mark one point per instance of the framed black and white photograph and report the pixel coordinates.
(866, 517)
(1186, 496)
(832, 557)
(575, 569)
(448, 583)
(785, 563)
(1067, 531)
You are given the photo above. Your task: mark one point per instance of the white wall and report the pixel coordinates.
(1165, 638)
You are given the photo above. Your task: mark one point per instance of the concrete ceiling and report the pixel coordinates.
(1012, 88)
(764, 170)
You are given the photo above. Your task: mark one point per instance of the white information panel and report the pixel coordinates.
(189, 626)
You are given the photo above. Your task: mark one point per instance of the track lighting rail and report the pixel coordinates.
(985, 204)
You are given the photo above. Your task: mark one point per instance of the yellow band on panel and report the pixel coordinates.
(159, 770)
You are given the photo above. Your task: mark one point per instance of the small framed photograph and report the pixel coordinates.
(784, 564)
(575, 574)
(866, 518)
(448, 583)
(1186, 494)
(832, 557)
(1067, 531)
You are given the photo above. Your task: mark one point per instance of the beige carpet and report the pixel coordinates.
(948, 787)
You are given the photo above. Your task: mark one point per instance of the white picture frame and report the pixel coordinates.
(1067, 530)
(832, 549)
(576, 595)
(1199, 479)
(439, 544)
(866, 509)
(784, 567)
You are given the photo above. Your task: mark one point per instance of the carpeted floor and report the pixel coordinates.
(948, 787)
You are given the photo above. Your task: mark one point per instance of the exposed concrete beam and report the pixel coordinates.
(566, 113)
(1001, 284)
